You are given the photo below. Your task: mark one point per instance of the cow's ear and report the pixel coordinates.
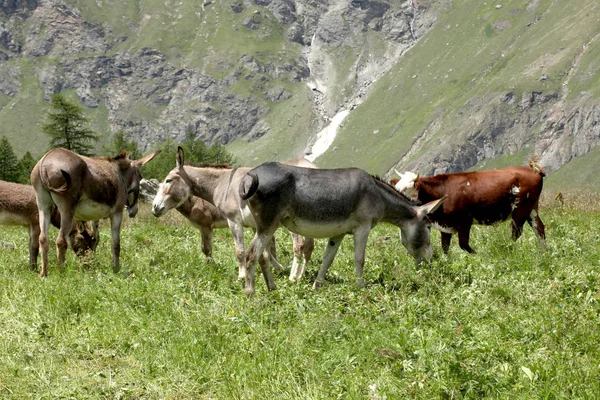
(180, 157)
(430, 207)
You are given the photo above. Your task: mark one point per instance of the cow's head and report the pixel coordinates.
(408, 184)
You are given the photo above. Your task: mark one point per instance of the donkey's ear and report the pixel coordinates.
(179, 158)
(430, 207)
(140, 162)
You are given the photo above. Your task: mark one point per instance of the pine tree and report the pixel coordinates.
(120, 142)
(67, 127)
(24, 167)
(8, 161)
(218, 154)
(195, 149)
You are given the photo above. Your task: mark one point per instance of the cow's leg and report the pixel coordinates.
(360, 244)
(115, 229)
(446, 239)
(517, 227)
(206, 234)
(237, 230)
(538, 227)
(34, 245)
(259, 243)
(463, 238)
(332, 247)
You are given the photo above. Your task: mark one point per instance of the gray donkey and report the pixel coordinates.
(329, 203)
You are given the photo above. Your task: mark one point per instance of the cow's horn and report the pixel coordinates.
(399, 174)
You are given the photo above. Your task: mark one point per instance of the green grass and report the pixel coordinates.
(508, 322)
(450, 76)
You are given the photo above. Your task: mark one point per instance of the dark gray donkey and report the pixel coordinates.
(329, 203)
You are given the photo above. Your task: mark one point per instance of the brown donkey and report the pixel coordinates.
(18, 207)
(218, 185)
(87, 189)
(205, 217)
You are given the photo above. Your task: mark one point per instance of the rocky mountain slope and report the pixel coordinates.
(433, 85)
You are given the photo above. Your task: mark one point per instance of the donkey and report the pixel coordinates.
(218, 185)
(87, 189)
(205, 217)
(329, 203)
(18, 207)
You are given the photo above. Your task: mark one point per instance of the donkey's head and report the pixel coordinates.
(130, 169)
(82, 238)
(415, 232)
(174, 190)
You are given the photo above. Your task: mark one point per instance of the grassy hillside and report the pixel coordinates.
(475, 50)
(509, 321)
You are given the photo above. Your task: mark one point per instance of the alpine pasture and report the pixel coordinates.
(507, 322)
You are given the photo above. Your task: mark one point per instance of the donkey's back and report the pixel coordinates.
(317, 203)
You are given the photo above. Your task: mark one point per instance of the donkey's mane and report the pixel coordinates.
(405, 197)
(209, 165)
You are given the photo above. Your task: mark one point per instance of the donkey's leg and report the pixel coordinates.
(446, 239)
(206, 233)
(263, 261)
(332, 247)
(272, 255)
(237, 230)
(66, 225)
(309, 246)
(258, 245)
(538, 227)
(34, 244)
(360, 244)
(45, 211)
(115, 230)
(298, 244)
(95, 234)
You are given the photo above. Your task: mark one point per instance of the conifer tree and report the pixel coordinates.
(8, 161)
(24, 167)
(121, 142)
(67, 127)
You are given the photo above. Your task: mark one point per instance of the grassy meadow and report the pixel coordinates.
(508, 322)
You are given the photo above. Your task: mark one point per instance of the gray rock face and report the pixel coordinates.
(340, 48)
(148, 189)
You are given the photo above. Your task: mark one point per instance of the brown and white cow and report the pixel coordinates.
(484, 197)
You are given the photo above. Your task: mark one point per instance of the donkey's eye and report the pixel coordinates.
(168, 180)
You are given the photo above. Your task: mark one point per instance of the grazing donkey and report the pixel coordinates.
(87, 189)
(205, 217)
(329, 203)
(482, 197)
(18, 207)
(218, 185)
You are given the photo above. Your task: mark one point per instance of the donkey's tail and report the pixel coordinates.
(53, 180)
(533, 164)
(248, 185)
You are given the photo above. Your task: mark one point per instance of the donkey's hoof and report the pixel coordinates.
(249, 292)
(360, 283)
(317, 284)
